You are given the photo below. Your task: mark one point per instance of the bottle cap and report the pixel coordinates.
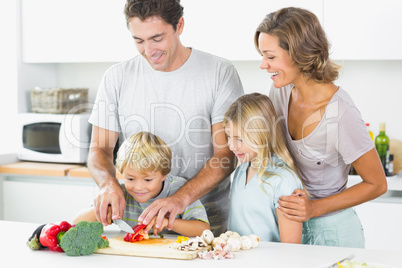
(368, 124)
(382, 126)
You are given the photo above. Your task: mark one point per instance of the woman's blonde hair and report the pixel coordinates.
(301, 35)
(144, 152)
(254, 117)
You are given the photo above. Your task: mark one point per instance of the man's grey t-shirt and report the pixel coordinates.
(179, 106)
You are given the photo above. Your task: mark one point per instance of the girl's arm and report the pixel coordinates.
(289, 231)
(299, 208)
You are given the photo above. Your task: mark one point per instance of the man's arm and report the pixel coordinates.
(101, 168)
(215, 170)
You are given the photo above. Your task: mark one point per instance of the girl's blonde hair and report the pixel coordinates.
(254, 117)
(300, 33)
(145, 153)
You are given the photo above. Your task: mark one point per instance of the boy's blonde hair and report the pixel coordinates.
(254, 117)
(145, 153)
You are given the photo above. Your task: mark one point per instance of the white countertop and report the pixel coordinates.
(14, 252)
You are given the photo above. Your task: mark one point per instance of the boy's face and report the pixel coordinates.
(143, 187)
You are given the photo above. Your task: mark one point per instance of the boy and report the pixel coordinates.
(144, 160)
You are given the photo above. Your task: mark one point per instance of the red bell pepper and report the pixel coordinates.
(51, 234)
(138, 234)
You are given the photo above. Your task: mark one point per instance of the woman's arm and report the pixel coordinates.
(299, 208)
(289, 231)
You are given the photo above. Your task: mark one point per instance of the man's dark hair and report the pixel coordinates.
(169, 10)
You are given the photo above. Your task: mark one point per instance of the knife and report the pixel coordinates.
(348, 258)
(123, 226)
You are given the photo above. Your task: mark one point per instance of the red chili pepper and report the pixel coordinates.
(51, 234)
(136, 236)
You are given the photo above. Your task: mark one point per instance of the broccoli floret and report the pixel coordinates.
(83, 239)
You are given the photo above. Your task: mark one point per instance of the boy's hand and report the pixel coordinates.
(152, 225)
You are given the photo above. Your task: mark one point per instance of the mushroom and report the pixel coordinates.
(234, 243)
(208, 236)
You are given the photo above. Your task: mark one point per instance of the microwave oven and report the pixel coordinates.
(60, 138)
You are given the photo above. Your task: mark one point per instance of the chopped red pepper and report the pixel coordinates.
(138, 234)
(51, 234)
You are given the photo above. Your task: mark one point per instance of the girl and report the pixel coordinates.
(323, 128)
(266, 171)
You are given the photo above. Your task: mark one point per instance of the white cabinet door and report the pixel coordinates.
(364, 29)
(226, 27)
(75, 31)
(95, 30)
(46, 201)
(382, 224)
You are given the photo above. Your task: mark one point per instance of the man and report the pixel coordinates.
(177, 93)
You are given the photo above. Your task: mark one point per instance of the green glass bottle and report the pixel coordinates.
(382, 147)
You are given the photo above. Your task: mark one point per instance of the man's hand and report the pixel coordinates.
(297, 207)
(109, 196)
(161, 209)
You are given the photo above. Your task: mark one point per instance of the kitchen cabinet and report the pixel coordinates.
(45, 199)
(382, 223)
(95, 30)
(75, 31)
(226, 28)
(364, 30)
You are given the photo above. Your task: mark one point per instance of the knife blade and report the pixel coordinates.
(123, 226)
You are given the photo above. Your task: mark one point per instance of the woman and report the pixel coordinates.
(323, 128)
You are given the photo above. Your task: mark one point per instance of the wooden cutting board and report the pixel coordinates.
(153, 247)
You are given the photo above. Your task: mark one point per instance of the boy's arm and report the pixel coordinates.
(87, 214)
(190, 227)
(290, 231)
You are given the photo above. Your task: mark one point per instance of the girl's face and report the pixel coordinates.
(277, 61)
(242, 151)
(143, 187)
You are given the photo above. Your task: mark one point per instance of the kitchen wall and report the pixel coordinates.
(375, 86)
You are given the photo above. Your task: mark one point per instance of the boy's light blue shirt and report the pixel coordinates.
(252, 205)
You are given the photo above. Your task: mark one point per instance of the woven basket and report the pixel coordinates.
(57, 100)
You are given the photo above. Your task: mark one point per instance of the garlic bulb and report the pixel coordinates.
(246, 242)
(255, 240)
(224, 236)
(234, 242)
(218, 241)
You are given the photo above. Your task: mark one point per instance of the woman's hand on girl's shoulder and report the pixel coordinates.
(297, 206)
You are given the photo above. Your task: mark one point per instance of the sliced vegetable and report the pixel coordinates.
(138, 234)
(180, 239)
(51, 234)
